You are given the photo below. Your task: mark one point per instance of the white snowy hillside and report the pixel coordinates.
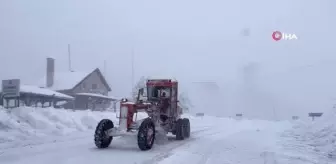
(317, 138)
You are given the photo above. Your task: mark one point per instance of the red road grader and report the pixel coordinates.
(164, 116)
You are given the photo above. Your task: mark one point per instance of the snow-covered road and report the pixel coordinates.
(216, 141)
(56, 136)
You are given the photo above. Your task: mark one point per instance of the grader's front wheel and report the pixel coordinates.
(146, 134)
(101, 138)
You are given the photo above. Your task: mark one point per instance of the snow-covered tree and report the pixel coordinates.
(140, 84)
(184, 102)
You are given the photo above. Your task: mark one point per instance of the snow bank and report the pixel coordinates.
(210, 122)
(27, 123)
(317, 136)
(24, 122)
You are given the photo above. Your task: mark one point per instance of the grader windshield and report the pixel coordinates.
(157, 89)
(154, 93)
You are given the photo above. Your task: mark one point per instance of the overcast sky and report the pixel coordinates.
(192, 40)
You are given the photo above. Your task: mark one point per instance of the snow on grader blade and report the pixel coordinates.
(164, 116)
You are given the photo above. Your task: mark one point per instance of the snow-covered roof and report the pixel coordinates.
(161, 77)
(64, 80)
(96, 95)
(128, 102)
(43, 91)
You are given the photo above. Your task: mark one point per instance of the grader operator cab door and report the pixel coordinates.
(142, 96)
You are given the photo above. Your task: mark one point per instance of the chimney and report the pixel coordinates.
(50, 72)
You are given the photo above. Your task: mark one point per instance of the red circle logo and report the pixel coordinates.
(277, 35)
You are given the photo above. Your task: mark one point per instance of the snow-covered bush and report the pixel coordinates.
(184, 102)
(318, 135)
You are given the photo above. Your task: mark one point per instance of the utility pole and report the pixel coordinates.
(133, 41)
(132, 58)
(69, 55)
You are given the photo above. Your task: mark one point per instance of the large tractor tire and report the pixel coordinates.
(101, 138)
(180, 129)
(146, 134)
(187, 128)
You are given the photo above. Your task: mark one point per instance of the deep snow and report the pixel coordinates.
(36, 135)
(315, 138)
(27, 125)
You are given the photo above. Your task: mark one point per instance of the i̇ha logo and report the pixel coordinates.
(277, 35)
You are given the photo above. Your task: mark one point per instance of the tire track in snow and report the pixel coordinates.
(217, 132)
(212, 147)
(58, 139)
(62, 139)
(168, 150)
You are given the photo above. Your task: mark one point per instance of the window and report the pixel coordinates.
(94, 86)
(156, 92)
(84, 85)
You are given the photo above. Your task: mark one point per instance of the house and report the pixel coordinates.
(31, 95)
(90, 89)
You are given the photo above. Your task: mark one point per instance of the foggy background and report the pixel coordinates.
(191, 40)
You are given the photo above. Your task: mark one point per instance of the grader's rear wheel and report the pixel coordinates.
(101, 138)
(146, 134)
(187, 127)
(180, 129)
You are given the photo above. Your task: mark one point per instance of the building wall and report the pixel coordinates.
(81, 102)
(85, 102)
(71, 104)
